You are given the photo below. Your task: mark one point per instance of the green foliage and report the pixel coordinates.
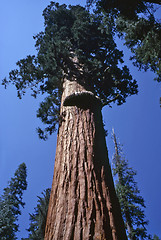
(38, 218)
(10, 203)
(156, 237)
(132, 204)
(137, 24)
(143, 37)
(72, 32)
(129, 10)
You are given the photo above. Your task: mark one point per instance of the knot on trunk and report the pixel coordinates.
(84, 99)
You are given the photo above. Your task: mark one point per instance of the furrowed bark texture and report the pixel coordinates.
(83, 203)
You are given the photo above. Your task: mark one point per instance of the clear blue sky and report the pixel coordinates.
(137, 123)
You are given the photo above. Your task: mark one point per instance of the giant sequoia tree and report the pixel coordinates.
(78, 67)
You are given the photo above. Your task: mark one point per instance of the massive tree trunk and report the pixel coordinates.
(83, 203)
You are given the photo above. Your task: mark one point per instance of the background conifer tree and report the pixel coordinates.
(38, 218)
(132, 204)
(11, 202)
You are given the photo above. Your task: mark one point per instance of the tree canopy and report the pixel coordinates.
(72, 32)
(129, 10)
(137, 23)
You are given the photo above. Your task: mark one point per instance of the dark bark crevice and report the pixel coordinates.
(93, 220)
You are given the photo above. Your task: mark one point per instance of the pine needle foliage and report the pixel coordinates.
(136, 22)
(129, 10)
(38, 218)
(72, 31)
(132, 204)
(11, 202)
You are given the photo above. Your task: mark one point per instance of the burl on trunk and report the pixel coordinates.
(83, 203)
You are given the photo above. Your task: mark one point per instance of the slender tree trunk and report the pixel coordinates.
(83, 203)
(128, 220)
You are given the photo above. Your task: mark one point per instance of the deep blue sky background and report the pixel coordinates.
(137, 123)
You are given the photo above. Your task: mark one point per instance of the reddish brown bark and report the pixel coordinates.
(83, 204)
